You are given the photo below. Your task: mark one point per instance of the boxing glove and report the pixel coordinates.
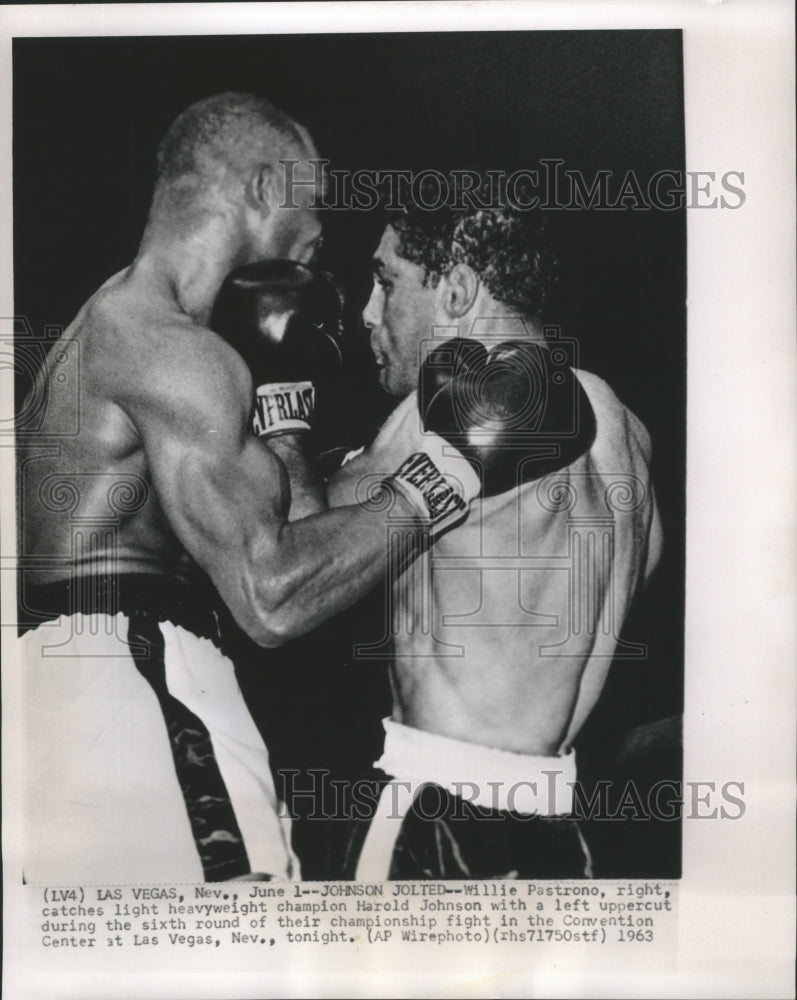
(438, 499)
(284, 319)
(513, 413)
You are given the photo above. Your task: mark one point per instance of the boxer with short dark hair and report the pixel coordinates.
(501, 638)
(144, 764)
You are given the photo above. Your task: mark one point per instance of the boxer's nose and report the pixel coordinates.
(373, 309)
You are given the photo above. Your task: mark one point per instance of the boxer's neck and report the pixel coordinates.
(188, 266)
(499, 328)
(491, 321)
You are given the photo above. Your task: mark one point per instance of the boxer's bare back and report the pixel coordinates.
(502, 635)
(524, 604)
(134, 353)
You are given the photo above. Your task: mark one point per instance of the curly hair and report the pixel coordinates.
(507, 246)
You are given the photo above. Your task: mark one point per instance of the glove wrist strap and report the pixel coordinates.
(436, 500)
(283, 408)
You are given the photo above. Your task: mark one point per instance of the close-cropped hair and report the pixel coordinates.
(213, 129)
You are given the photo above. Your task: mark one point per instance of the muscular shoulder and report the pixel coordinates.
(616, 425)
(159, 364)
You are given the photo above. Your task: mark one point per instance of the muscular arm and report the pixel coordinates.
(307, 492)
(226, 497)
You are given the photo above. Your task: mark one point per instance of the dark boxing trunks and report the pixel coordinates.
(443, 836)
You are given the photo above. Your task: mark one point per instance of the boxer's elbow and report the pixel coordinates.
(273, 613)
(268, 624)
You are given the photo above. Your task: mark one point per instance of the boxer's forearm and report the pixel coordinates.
(315, 568)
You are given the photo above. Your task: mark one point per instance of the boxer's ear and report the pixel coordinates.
(459, 290)
(260, 190)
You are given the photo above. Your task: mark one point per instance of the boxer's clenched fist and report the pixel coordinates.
(283, 318)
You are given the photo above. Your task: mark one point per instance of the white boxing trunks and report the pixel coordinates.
(143, 763)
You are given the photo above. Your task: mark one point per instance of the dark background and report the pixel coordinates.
(88, 114)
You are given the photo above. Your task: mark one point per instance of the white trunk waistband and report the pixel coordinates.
(484, 776)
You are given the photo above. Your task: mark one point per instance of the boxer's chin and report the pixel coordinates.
(389, 384)
(393, 385)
